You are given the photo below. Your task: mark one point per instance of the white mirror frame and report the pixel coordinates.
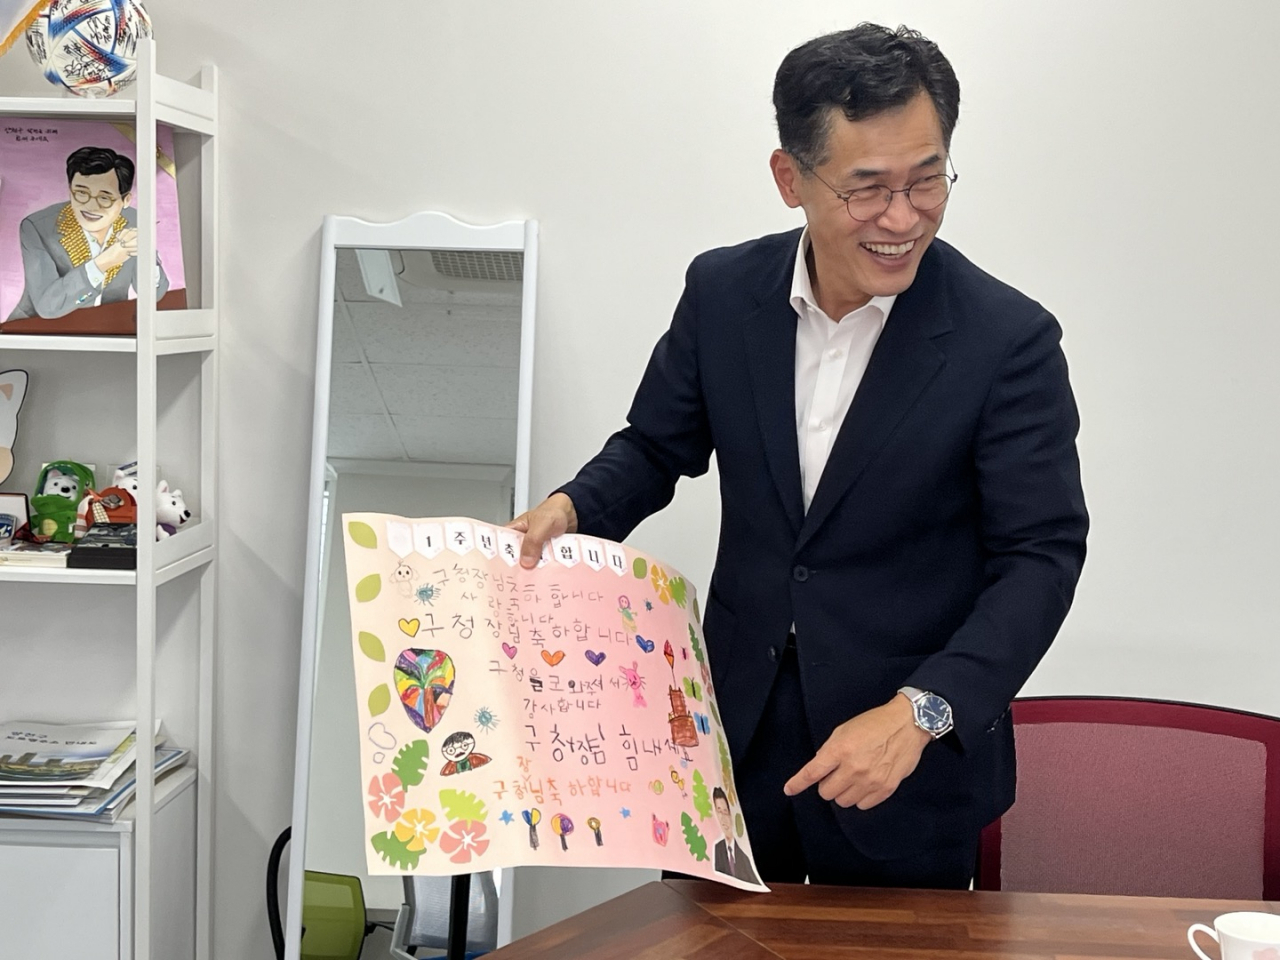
(437, 231)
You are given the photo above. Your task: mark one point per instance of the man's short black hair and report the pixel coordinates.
(91, 161)
(719, 794)
(457, 739)
(860, 72)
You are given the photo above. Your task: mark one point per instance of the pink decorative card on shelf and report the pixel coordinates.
(560, 716)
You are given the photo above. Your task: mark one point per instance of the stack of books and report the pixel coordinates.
(74, 771)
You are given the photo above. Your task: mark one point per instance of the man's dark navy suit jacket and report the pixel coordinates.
(943, 544)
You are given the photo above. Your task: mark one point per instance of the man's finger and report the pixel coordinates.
(809, 774)
(520, 524)
(538, 531)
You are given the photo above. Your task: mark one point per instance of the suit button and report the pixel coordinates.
(773, 654)
(801, 574)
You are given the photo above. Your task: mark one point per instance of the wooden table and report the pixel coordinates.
(698, 920)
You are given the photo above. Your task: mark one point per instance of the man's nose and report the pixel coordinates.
(900, 216)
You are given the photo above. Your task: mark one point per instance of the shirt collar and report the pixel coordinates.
(802, 286)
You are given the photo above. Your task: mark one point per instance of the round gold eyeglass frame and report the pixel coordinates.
(83, 196)
(879, 197)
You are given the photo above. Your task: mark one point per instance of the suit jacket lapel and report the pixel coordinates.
(903, 364)
(770, 335)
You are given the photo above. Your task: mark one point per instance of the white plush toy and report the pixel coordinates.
(61, 484)
(126, 477)
(171, 511)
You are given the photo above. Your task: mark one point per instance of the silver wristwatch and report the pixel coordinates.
(932, 713)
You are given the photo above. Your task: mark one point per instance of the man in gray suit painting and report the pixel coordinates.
(84, 252)
(729, 858)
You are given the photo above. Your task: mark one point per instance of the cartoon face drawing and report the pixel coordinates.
(13, 388)
(458, 745)
(635, 683)
(403, 577)
(459, 752)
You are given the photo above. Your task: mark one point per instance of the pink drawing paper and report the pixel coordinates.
(33, 165)
(561, 716)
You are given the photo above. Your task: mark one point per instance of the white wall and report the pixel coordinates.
(335, 822)
(1115, 162)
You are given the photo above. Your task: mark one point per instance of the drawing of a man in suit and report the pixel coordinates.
(83, 252)
(729, 857)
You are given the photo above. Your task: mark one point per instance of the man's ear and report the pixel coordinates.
(786, 174)
(126, 198)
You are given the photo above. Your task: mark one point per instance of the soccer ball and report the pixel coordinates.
(89, 46)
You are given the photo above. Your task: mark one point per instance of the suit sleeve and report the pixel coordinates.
(667, 436)
(52, 295)
(1034, 526)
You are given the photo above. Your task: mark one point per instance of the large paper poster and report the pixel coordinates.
(561, 716)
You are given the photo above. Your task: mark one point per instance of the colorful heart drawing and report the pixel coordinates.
(645, 645)
(553, 658)
(410, 627)
(595, 658)
(424, 681)
(509, 650)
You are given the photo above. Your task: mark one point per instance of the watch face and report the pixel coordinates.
(933, 713)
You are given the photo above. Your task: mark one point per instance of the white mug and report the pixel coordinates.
(1243, 936)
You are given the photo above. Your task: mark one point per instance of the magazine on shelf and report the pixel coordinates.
(65, 755)
(27, 554)
(105, 806)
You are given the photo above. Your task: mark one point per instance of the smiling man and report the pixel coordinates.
(902, 523)
(83, 252)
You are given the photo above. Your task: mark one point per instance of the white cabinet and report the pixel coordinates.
(84, 645)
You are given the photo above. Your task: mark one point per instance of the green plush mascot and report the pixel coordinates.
(61, 487)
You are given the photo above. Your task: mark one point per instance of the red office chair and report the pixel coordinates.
(1139, 797)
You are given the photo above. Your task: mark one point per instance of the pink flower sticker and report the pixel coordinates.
(463, 840)
(386, 797)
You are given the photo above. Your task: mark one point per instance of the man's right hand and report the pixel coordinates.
(553, 517)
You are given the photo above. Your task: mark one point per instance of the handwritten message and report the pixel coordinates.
(561, 716)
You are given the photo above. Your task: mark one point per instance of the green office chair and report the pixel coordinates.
(334, 925)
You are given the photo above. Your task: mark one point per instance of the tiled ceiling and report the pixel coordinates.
(433, 381)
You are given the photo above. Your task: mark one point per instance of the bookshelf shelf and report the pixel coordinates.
(152, 866)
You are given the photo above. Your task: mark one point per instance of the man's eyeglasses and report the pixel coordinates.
(869, 203)
(83, 196)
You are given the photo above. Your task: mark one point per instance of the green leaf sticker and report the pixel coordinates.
(362, 534)
(726, 769)
(372, 647)
(379, 700)
(693, 837)
(368, 588)
(396, 851)
(640, 568)
(410, 764)
(461, 805)
(701, 798)
(739, 825)
(679, 591)
(695, 643)
(697, 614)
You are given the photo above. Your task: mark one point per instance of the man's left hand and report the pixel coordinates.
(865, 758)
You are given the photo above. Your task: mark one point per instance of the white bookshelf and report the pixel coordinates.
(147, 876)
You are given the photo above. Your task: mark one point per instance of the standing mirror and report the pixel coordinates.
(424, 369)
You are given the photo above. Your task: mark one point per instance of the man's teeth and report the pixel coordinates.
(890, 249)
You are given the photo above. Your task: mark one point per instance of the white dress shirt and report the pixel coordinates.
(831, 357)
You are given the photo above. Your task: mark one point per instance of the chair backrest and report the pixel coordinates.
(428, 898)
(1139, 797)
(333, 916)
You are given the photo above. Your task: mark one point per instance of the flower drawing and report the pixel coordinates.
(416, 828)
(386, 796)
(660, 583)
(463, 840)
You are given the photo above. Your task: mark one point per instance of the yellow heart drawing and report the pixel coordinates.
(410, 626)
